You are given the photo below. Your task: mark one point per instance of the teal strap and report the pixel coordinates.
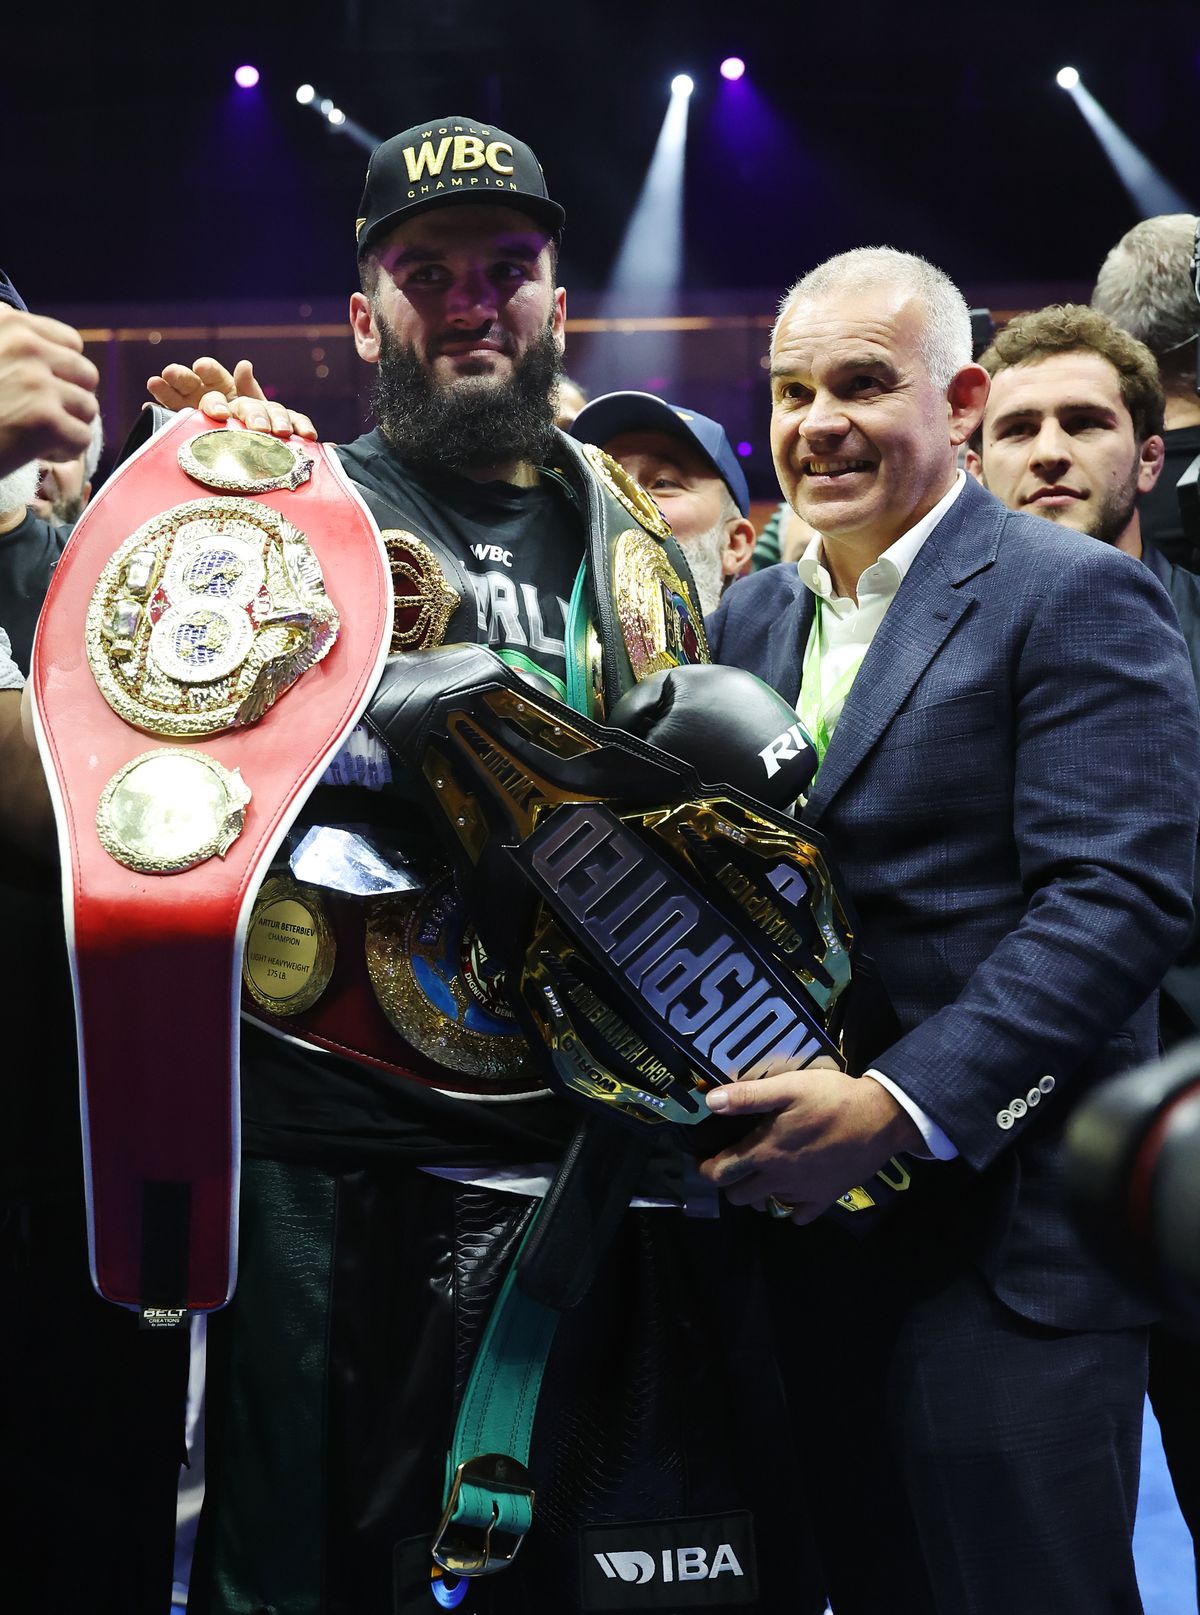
(526, 664)
(489, 1501)
(578, 622)
(488, 1504)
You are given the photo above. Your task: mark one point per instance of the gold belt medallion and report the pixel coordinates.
(626, 490)
(424, 600)
(171, 809)
(434, 982)
(290, 947)
(659, 619)
(243, 462)
(205, 616)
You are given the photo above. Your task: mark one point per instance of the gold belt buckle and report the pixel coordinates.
(465, 1549)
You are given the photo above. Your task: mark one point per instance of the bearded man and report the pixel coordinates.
(382, 1199)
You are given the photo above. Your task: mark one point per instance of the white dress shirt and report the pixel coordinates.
(847, 629)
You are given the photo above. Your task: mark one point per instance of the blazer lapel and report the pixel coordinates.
(786, 639)
(927, 607)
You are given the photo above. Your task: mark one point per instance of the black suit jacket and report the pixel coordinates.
(1180, 997)
(1011, 794)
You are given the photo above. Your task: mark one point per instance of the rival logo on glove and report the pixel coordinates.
(784, 748)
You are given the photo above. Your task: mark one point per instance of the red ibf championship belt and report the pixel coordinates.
(213, 632)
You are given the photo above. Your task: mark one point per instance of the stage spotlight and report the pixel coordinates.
(732, 67)
(745, 450)
(246, 77)
(337, 120)
(650, 262)
(1067, 78)
(647, 276)
(1149, 191)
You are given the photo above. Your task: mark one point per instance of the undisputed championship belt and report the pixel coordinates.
(394, 974)
(192, 678)
(658, 937)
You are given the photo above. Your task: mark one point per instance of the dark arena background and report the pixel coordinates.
(168, 211)
(182, 180)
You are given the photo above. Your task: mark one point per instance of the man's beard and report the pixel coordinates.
(705, 555)
(66, 510)
(473, 423)
(19, 488)
(1115, 512)
(1112, 516)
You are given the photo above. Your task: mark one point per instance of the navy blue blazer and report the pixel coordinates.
(1011, 795)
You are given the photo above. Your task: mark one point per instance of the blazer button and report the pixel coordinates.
(1046, 1084)
(1004, 1118)
(1034, 1096)
(1018, 1106)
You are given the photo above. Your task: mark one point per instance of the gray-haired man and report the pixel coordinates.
(1009, 774)
(1148, 285)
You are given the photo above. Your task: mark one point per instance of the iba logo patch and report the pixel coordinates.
(702, 1563)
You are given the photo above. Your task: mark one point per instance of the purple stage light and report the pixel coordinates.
(732, 67)
(745, 449)
(246, 77)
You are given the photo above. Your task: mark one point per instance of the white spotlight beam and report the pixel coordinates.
(651, 255)
(1149, 192)
(335, 117)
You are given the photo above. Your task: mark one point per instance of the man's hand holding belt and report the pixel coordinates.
(823, 1130)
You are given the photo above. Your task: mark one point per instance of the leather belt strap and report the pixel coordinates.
(489, 1498)
(489, 1495)
(156, 957)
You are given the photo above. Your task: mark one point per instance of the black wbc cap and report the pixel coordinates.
(451, 160)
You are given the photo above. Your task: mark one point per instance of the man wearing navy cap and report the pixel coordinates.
(685, 462)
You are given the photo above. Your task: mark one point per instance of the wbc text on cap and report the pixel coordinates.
(451, 160)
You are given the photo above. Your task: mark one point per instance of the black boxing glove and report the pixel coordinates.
(730, 726)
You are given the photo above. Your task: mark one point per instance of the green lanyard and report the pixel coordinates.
(488, 1496)
(814, 706)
